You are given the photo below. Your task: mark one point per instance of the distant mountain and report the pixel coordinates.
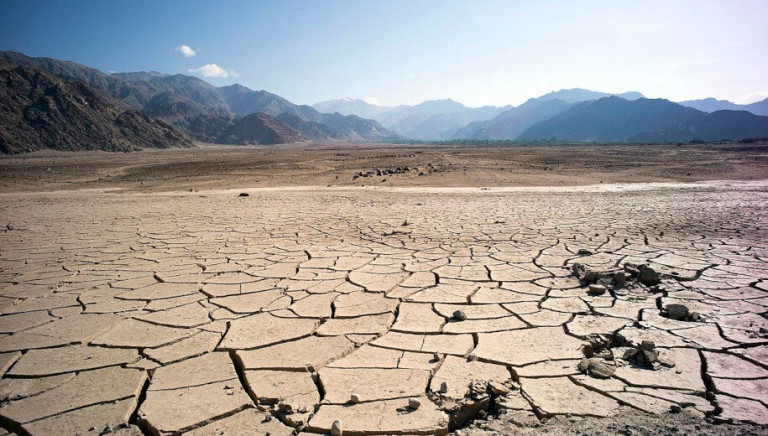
(350, 106)
(514, 121)
(577, 95)
(242, 101)
(259, 128)
(199, 109)
(355, 128)
(433, 119)
(197, 121)
(310, 130)
(39, 111)
(712, 105)
(617, 119)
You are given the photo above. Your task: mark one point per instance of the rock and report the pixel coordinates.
(596, 290)
(444, 387)
(336, 428)
(354, 398)
(674, 408)
(648, 276)
(472, 357)
(460, 315)
(584, 364)
(666, 361)
(414, 403)
(244, 194)
(578, 269)
(10, 226)
(600, 369)
(591, 276)
(498, 388)
(584, 252)
(619, 279)
(677, 311)
(645, 355)
(631, 269)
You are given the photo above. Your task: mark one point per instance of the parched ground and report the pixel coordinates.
(133, 311)
(219, 167)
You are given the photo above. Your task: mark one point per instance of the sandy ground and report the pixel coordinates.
(217, 167)
(152, 309)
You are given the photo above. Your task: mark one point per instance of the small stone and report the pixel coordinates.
(620, 279)
(584, 252)
(10, 226)
(414, 403)
(444, 387)
(600, 369)
(647, 346)
(665, 361)
(648, 276)
(677, 311)
(584, 364)
(354, 398)
(498, 388)
(675, 408)
(578, 269)
(596, 290)
(336, 429)
(244, 194)
(472, 357)
(436, 357)
(591, 276)
(460, 315)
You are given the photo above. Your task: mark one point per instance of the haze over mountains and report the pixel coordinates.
(48, 103)
(198, 109)
(447, 119)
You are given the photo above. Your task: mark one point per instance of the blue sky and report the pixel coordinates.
(404, 52)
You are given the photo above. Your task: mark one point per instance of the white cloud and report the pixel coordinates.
(371, 100)
(752, 97)
(213, 70)
(186, 50)
(410, 76)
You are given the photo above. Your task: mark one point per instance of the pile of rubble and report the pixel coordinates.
(648, 356)
(630, 276)
(422, 171)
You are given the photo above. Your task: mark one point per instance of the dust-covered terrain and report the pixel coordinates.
(504, 291)
(216, 167)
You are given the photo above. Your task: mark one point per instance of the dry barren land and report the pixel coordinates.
(145, 294)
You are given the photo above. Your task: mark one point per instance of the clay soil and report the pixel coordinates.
(580, 290)
(216, 167)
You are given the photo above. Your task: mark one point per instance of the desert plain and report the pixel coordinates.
(374, 289)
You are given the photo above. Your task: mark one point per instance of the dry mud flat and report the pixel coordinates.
(386, 311)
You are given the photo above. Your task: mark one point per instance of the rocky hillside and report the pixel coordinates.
(194, 106)
(656, 120)
(39, 111)
(259, 128)
(514, 121)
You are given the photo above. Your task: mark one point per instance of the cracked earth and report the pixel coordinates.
(381, 311)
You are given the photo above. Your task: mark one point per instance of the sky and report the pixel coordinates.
(404, 52)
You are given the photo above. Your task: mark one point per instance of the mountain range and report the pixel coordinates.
(48, 103)
(40, 111)
(712, 105)
(565, 115)
(199, 110)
